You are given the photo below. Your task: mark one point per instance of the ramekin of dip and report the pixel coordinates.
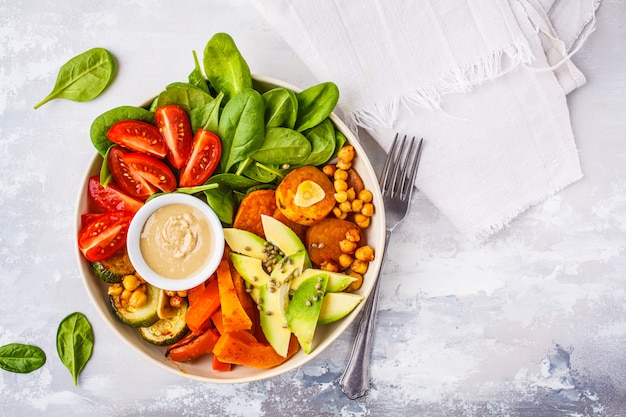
(175, 241)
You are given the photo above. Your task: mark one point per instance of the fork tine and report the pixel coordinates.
(387, 174)
(416, 155)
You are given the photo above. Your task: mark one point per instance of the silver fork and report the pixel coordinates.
(396, 183)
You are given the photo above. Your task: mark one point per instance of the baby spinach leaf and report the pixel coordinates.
(83, 77)
(283, 146)
(222, 201)
(196, 78)
(19, 358)
(185, 95)
(75, 343)
(241, 127)
(101, 125)
(315, 104)
(225, 67)
(233, 181)
(207, 116)
(261, 173)
(322, 138)
(281, 108)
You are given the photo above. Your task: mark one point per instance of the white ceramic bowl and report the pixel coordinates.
(214, 241)
(201, 368)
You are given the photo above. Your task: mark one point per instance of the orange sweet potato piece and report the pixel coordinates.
(254, 204)
(206, 303)
(288, 188)
(234, 317)
(322, 239)
(241, 348)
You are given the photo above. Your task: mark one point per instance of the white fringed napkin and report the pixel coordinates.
(484, 83)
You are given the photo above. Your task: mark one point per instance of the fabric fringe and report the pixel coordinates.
(459, 80)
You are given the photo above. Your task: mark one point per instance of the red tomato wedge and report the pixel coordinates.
(174, 125)
(152, 170)
(206, 152)
(104, 236)
(138, 136)
(111, 197)
(128, 180)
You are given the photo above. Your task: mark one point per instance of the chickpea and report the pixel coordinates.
(341, 196)
(115, 289)
(361, 220)
(347, 246)
(137, 299)
(351, 194)
(329, 170)
(358, 266)
(339, 214)
(340, 174)
(181, 293)
(170, 293)
(130, 282)
(367, 210)
(345, 260)
(353, 235)
(356, 284)
(340, 185)
(344, 165)
(346, 207)
(126, 294)
(142, 288)
(176, 301)
(346, 153)
(329, 266)
(364, 253)
(366, 196)
(357, 205)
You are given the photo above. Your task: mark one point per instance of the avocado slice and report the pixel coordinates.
(272, 302)
(304, 309)
(336, 280)
(337, 305)
(280, 235)
(245, 243)
(251, 269)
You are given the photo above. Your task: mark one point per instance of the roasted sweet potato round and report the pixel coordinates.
(289, 195)
(254, 204)
(322, 239)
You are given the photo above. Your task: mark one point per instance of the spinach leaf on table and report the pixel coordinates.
(20, 358)
(225, 67)
(83, 77)
(241, 127)
(315, 104)
(75, 343)
(101, 124)
(283, 146)
(281, 108)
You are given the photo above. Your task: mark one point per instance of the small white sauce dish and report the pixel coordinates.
(215, 240)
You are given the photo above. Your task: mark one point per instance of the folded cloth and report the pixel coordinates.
(484, 83)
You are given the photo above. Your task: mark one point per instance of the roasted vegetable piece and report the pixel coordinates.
(250, 209)
(193, 345)
(242, 348)
(113, 268)
(234, 317)
(305, 195)
(323, 239)
(198, 316)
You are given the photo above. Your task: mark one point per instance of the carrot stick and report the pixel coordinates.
(198, 317)
(234, 317)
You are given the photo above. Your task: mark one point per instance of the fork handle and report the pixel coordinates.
(355, 380)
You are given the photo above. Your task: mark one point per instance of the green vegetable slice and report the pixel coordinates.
(83, 77)
(75, 343)
(20, 358)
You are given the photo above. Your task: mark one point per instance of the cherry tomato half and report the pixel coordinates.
(138, 136)
(104, 236)
(111, 197)
(128, 180)
(206, 151)
(151, 170)
(174, 125)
